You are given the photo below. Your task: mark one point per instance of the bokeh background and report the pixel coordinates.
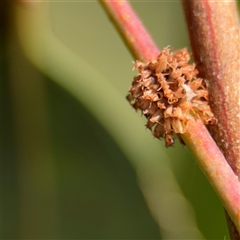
(77, 162)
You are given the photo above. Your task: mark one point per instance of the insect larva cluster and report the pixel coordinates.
(169, 94)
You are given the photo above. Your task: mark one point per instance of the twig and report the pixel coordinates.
(131, 29)
(214, 33)
(199, 140)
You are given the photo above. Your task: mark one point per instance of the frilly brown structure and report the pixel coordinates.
(169, 94)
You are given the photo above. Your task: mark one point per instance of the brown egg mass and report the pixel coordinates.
(169, 94)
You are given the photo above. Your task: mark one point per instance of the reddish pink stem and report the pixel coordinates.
(132, 30)
(197, 137)
(214, 33)
(215, 167)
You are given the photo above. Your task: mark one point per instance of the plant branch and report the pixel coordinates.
(214, 33)
(131, 29)
(218, 60)
(215, 167)
(197, 137)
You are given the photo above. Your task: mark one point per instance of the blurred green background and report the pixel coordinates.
(77, 162)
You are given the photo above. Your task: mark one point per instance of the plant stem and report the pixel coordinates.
(208, 155)
(131, 29)
(213, 29)
(214, 34)
(215, 167)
